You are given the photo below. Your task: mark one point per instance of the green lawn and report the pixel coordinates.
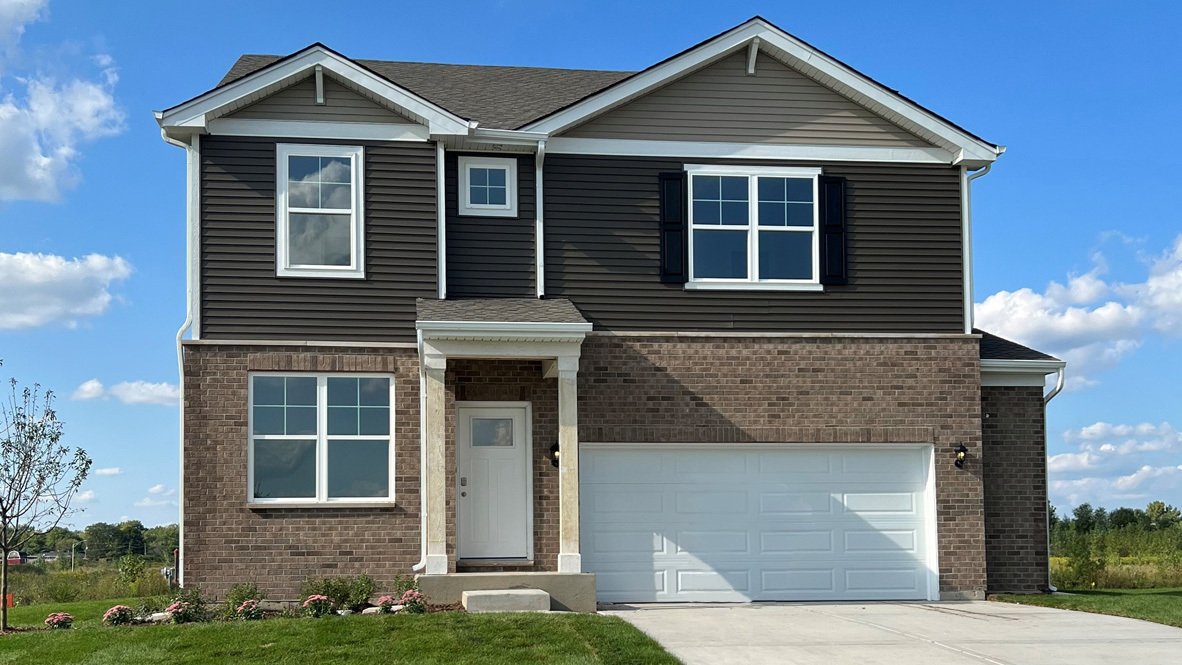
(452, 637)
(1157, 605)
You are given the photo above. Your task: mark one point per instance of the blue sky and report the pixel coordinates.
(1075, 228)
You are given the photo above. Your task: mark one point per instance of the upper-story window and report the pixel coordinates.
(488, 186)
(753, 227)
(319, 207)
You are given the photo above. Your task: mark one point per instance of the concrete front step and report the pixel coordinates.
(507, 600)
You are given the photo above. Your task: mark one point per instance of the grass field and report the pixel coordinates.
(449, 637)
(1157, 605)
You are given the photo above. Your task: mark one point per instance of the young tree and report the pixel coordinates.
(38, 475)
(1161, 515)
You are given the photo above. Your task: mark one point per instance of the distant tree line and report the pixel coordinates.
(102, 540)
(1121, 532)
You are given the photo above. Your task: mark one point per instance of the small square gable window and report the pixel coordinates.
(488, 186)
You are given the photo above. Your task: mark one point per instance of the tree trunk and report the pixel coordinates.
(4, 593)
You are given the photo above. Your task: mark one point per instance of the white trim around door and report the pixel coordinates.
(494, 481)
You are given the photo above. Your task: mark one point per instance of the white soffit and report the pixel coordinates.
(794, 53)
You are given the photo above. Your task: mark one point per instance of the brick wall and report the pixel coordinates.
(226, 541)
(1014, 433)
(807, 390)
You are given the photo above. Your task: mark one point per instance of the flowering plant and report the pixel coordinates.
(386, 604)
(414, 602)
(317, 605)
(182, 612)
(59, 620)
(249, 610)
(120, 615)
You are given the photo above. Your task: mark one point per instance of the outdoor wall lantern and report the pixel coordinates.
(554, 455)
(961, 453)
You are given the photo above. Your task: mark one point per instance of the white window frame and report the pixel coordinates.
(356, 267)
(752, 281)
(321, 437)
(464, 202)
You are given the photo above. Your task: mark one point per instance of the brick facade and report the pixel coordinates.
(631, 388)
(806, 390)
(226, 541)
(1014, 434)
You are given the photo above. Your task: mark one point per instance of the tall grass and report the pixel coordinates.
(32, 585)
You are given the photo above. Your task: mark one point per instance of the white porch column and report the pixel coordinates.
(569, 559)
(435, 366)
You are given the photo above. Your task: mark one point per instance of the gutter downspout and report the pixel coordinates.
(192, 202)
(539, 237)
(1045, 401)
(966, 203)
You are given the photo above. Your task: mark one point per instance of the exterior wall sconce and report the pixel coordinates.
(554, 454)
(961, 454)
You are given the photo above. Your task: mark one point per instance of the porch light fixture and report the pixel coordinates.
(554, 453)
(961, 454)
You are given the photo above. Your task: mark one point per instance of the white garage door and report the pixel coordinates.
(730, 523)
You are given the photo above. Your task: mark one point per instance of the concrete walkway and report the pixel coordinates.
(905, 633)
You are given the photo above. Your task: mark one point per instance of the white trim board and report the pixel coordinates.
(318, 129)
(795, 53)
(1004, 372)
(194, 115)
(700, 149)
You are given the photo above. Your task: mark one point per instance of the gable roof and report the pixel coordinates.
(539, 102)
(497, 97)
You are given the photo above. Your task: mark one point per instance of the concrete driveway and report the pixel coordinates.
(905, 633)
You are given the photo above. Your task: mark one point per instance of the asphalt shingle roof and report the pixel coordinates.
(500, 310)
(1000, 348)
(496, 97)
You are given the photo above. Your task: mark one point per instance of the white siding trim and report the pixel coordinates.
(441, 216)
(643, 148)
(316, 129)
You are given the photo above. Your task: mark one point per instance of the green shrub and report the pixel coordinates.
(193, 605)
(346, 593)
(131, 568)
(238, 594)
(403, 583)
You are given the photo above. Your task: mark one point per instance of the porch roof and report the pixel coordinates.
(499, 310)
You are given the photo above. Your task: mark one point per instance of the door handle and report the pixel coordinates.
(463, 482)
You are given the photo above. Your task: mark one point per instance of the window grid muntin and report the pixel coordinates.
(322, 439)
(753, 227)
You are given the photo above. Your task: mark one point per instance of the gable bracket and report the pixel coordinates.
(752, 55)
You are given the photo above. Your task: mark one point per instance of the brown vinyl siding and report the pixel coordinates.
(242, 298)
(904, 229)
(298, 102)
(491, 257)
(720, 102)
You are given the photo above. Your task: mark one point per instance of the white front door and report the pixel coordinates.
(493, 485)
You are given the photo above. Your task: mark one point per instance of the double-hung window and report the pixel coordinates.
(488, 186)
(320, 221)
(321, 438)
(753, 227)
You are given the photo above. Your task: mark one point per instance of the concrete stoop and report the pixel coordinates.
(507, 600)
(566, 592)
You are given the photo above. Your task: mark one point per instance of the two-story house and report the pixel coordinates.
(697, 332)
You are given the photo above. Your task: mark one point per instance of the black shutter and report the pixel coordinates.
(834, 268)
(674, 229)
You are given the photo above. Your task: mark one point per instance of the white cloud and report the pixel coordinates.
(110, 471)
(161, 490)
(142, 392)
(88, 390)
(1118, 463)
(1089, 322)
(85, 496)
(40, 289)
(42, 128)
(149, 502)
(131, 392)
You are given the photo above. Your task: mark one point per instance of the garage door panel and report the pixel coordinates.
(683, 535)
